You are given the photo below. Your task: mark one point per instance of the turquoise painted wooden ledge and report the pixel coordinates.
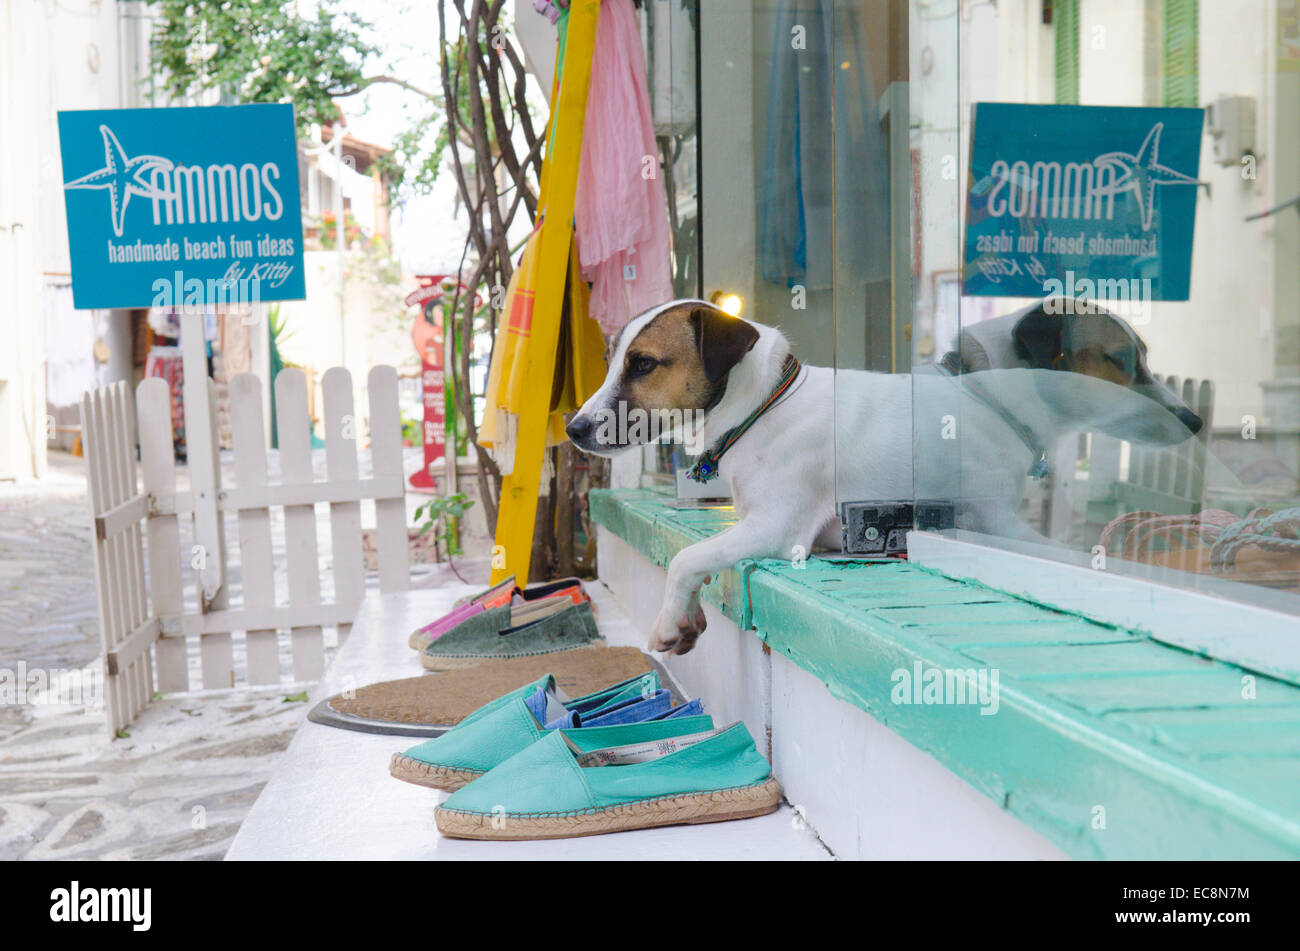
(1108, 743)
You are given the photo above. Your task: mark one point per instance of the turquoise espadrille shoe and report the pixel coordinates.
(505, 594)
(497, 730)
(612, 779)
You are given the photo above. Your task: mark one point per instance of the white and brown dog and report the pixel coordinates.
(859, 429)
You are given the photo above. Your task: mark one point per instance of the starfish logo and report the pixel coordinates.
(1141, 174)
(123, 177)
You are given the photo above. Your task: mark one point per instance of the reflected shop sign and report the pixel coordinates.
(1094, 202)
(189, 206)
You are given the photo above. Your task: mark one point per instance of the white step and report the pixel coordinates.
(331, 796)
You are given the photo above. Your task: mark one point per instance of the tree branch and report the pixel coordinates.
(453, 143)
(369, 81)
(482, 143)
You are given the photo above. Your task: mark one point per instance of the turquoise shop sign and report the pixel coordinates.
(1094, 202)
(190, 206)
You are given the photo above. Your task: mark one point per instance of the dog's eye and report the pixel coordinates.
(640, 366)
(1122, 360)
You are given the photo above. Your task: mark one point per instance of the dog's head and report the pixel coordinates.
(666, 367)
(1099, 344)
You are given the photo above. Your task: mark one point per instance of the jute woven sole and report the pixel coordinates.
(721, 805)
(411, 770)
(457, 663)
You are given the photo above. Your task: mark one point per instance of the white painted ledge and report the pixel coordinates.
(1211, 619)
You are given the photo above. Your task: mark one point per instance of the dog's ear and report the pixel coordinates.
(721, 340)
(1037, 338)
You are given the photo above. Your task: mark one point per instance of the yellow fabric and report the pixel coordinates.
(579, 360)
(580, 356)
(520, 487)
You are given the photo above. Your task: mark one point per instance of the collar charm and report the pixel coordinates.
(706, 467)
(704, 470)
(1040, 469)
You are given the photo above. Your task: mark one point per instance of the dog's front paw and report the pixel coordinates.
(676, 632)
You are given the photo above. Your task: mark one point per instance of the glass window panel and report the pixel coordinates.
(1107, 354)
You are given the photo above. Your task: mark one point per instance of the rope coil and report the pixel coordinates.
(1227, 534)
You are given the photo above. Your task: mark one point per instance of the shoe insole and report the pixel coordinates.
(641, 752)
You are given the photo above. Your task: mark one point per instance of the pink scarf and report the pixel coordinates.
(621, 210)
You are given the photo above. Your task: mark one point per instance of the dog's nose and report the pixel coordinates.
(579, 429)
(1190, 420)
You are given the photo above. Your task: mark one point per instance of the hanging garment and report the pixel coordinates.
(579, 359)
(827, 167)
(166, 362)
(621, 209)
(551, 9)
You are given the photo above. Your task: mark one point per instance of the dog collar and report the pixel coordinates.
(706, 467)
(1040, 468)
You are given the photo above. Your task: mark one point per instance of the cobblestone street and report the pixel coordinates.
(179, 784)
(47, 590)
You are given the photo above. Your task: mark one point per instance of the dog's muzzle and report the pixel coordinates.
(1189, 419)
(585, 434)
(581, 430)
(1168, 400)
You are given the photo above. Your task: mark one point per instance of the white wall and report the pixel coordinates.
(376, 328)
(22, 356)
(1111, 66)
(52, 57)
(536, 37)
(77, 67)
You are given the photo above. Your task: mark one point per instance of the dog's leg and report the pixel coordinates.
(681, 618)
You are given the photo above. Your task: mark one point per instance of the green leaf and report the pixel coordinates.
(262, 51)
(296, 698)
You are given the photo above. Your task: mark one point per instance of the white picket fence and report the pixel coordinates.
(145, 618)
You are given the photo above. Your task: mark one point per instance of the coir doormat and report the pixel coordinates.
(431, 704)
